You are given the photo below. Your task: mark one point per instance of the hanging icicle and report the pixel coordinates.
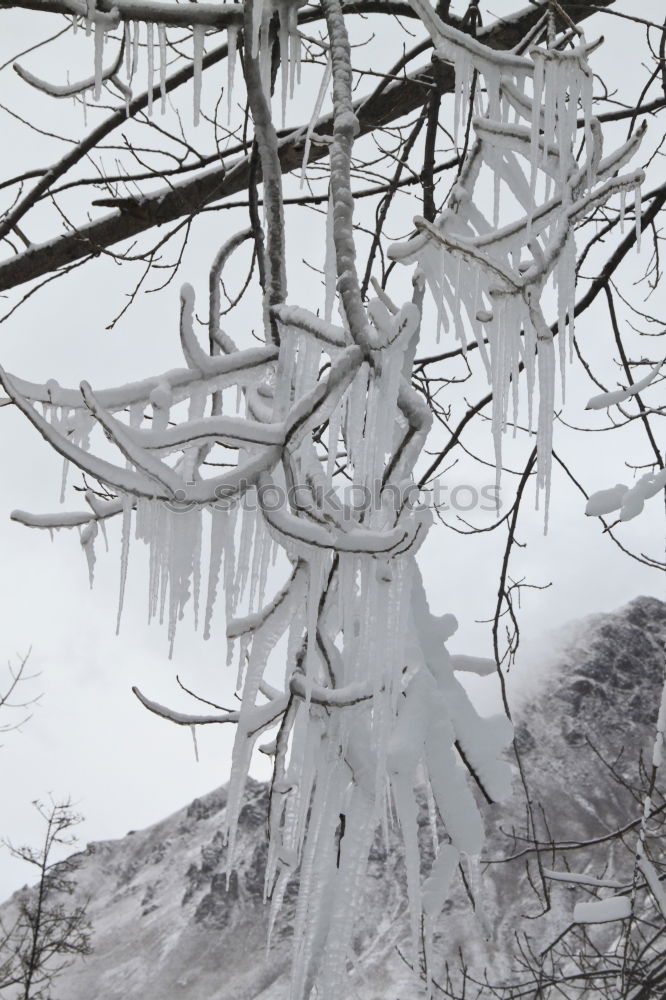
(232, 40)
(99, 56)
(161, 40)
(198, 37)
(150, 61)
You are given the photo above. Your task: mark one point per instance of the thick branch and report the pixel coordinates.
(213, 15)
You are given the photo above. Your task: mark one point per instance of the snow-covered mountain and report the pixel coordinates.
(168, 925)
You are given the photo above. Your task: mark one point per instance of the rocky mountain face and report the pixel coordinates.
(167, 924)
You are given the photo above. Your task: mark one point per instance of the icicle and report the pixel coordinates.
(259, 546)
(623, 205)
(262, 644)
(546, 366)
(355, 418)
(325, 80)
(330, 265)
(257, 17)
(124, 556)
(265, 49)
(196, 565)
(334, 426)
(317, 565)
(294, 48)
(232, 38)
(430, 266)
(161, 38)
(497, 192)
(88, 535)
(217, 539)
(99, 54)
(638, 208)
(151, 65)
(458, 86)
(127, 42)
(229, 573)
(63, 480)
(266, 553)
(571, 286)
(536, 103)
(193, 730)
(198, 36)
(307, 369)
(89, 12)
(156, 541)
(283, 9)
(493, 80)
(564, 137)
(135, 49)
(244, 555)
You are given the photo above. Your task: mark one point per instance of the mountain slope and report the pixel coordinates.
(167, 924)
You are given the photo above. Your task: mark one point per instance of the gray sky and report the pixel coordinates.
(88, 737)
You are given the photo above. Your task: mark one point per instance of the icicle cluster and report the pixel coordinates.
(155, 37)
(489, 260)
(344, 671)
(345, 663)
(139, 35)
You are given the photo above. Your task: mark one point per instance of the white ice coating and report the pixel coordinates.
(605, 399)
(602, 911)
(629, 501)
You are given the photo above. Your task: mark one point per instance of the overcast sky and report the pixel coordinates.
(88, 737)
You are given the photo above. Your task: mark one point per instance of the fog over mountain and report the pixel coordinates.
(167, 924)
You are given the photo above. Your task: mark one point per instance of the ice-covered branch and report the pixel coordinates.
(183, 718)
(238, 627)
(344, 697)
(303, 319)
(264, 716)
(243, 367)
(215, 335)
(69, 89)
(110, 12)
(629, 501)
(606, 399)
(267, 143)
(345, 130)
